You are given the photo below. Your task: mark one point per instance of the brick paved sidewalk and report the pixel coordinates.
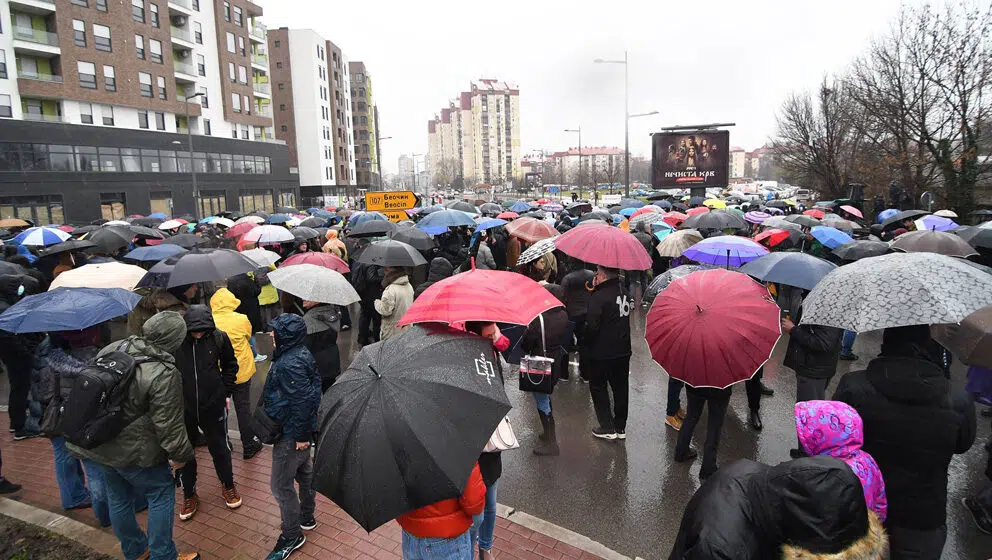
(250, 531)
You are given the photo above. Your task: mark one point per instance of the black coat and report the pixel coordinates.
(607, 330)
(439, 270)
(915, 421)
(247, 290)
(554, 334)
(576, 295)
(208, 364)
(367, 280)
(748, 511)
(813, 350)
(323, 323)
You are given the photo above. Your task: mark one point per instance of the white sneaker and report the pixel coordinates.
(260, 357)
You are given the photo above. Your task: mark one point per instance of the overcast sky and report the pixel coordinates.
(693, 61)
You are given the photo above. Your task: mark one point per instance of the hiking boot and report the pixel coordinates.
(231, 497)
(550, 446)
(755, 420)
(768, 391)
(285, 547)
(252, 449)
(8, 487)
(681, 414)
(24, 434)
(689, 456)
(981, 517)
(308, 524)
(188, 556)
(190, 505)
(603, 433)
(849, 357)
(674, 422)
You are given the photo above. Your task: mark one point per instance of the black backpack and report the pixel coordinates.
(93, 414)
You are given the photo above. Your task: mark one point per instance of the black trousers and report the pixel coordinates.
(345, 315)
(241, 399)
(615, 373)
(916, 544)
(19, 376)
(369, 323)
(717, 404)
(580, 345)
(213, 423)
(753, 388)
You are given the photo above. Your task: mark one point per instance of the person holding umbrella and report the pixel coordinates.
(323, 322)
(397, 297)
(607, 333)
(17, 353)
(439, 270)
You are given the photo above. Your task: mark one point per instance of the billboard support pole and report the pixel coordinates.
(626, 129)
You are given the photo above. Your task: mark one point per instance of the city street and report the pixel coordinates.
(630, 496)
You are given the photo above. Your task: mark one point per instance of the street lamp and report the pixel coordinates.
(626, 120)
(192, 164)
(415, 185)
(378, 149)
(579, 131)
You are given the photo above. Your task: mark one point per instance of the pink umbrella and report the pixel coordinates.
(604, 245)
(853, 211)
(697, 210)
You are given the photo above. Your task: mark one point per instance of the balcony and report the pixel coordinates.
(256, 33)
(263, 88)
(260, 59)
(181, 7)
(36, 42)
(38, 117)
(181, 37)
(39, 77)
(264, 110)
(39, 7)
(185, 72)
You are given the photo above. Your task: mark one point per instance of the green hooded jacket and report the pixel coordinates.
(155, 402)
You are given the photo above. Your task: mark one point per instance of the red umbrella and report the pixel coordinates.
(508, 216)
(674, 219)
(67, 228)
(326, 260)
(240, 229)
(771, 237)
(818, 214)
(853, 211)
(697, 210)
(481, 295)
(643, 210)
(713, 328)
(531, 230)
(604, 245)
(543, 201)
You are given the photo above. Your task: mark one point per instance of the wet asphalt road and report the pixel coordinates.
(630, 496)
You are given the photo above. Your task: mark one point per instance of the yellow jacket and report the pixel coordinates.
(269, 294)
(238, 329)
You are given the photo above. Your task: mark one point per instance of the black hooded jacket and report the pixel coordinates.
(208, 364)
(247, 290)
(607, 330)
(439, 270)
(323, 323)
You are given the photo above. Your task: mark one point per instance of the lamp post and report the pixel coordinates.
(626, 120)
(579, 131)
(192, 164)
(415, 173)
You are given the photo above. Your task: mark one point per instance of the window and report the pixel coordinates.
(230, 42)
(278, 65)
(153, 8)
(101, 38)
(242, 74)
(113, 206)
(85, 113)
(196, 5)
(162, 202)
(241, 46)
(139, 46)
(204, 100)
(142, 119)
(86, 159)
(156, 50)
(168, 159)
(206, 126)
(79, 32)
(101, 5)
(161, 88)
(284, 128)
(145, 82)
(3, 63)
(244, 133)
(83, 3)
(138, 10)
(230, 72)
(227, 12)
(246, 104)
(238, 19)
(198, 32)
(281, 86)
(108, 115)
(87, 74)
(282, 106)
(235, 103)
(160, 121)
(278, 44)
(130, 159)
(109, 80)
(201, 65)
(234, 133)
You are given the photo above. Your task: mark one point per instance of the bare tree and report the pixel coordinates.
(447, 171)
(612, 172)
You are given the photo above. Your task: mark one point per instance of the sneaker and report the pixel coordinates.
(604, 434)
(621, 434)
(188, 556)
(231, 497)
(681, 414)
(308, 524)
(8, 487)
(24, 434)
(981, 517)
(252, 449)
(190, 505)
(285, 547)
(674, 422)
(346, 327)
(260, 358)
(849, 357)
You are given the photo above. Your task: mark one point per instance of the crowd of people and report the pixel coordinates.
(867, 477)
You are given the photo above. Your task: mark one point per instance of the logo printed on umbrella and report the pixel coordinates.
(623, 304)
(485, 368)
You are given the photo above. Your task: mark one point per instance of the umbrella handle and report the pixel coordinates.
(377, 374)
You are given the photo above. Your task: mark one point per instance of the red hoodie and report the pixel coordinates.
(448, 518)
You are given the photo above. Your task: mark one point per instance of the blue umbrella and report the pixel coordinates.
(490, 224)
(830, 237)
(631, 203)
(519, 206)
(617, 219)
(664, 204)
(726, 250)
(626, 212)
(278, 219)
(67, 309)
(447, 218)
(432, 230)
(155, 253)
(662, 233)
(158, 215)
(322, 213)
(366, 217)
(886, 214)
(792, 269)
(935, 223)
(208, 219)
(40, 237)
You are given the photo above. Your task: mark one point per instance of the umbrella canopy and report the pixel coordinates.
(250, 220)
(416, 238)
(391, 253)
(311, 282)
(897, 290)
(726, 250)
(713, 328)
(187, 240)
(976, 237)
(814, 213)
(675, 219)
(665, 279)
(326, 260)
(530, 230)
(198, 265)
(792, 269)
(677, 243)
(172, 224)
(606, 246)
(933, 242)
(802, 220)
(830, 237)
(631, 203)
(835, 221)
(100, 275)
(645, 219)
(861, 249)
(261, 257)
(490, 209)
(278, 219)
(9, 223)
(718, 219)
(374, 228)
(240, 229)
(886, 214)
(269, 234)
(772, 237)
(462, 206)
(852, 211)
(756, 217)
(40, 237)
(70, 245)
(225, 222)
(481, 295)
(507, 215)
(486, 224)
(899, 217)
(935, 223)
(697, 211)
(536, 251)
(154, 253)
(359, 218)
(627, 212)
(552, 207)
(403, 426)
(520, 206)
(447, 218)
(971, 341)
(108, 240)
(946, 213)
(67, 309)
(714, 203)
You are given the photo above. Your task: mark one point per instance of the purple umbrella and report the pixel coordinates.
(726, 250)
(552, 207)
(756, 217)
(935, 223)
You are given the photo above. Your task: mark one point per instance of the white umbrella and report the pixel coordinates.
(537, 250)
(262, 257)
(251, 220)
(171, 224)
(946, 213)
(117, 223)
(226, 222)
(100, 275)
(269, 234)
(314, 283)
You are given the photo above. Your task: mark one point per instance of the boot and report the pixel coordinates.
(544, 426)
(550, 445)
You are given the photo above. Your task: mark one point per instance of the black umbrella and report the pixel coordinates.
(198, 265)
(491, 209)
(109, 239)
(147, 232)
(578, 208)
(413, 237)
(147, 222)
(696, 201)
(65, 246)
(776, 204)
(597, 215)
(898, 217)
(391, 253)
(976, 236)
(314, 222)
(375, 228)
(403, 426)
(803, 220)
(680, 206)
(716, 219)
(83, 230)
(659, 196)
(302, 233)
(463, 206)
(187, 241)
(861, 249)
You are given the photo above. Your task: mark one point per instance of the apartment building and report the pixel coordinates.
(365, 125)
(598, 163)
(139, 77)
(476, 138)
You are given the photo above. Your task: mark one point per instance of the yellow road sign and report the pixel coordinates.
(395, 215)
(391, 200)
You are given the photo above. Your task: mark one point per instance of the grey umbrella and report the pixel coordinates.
(861, 249)
(302, 233)
(899, 217)
(198, 265)
(391, 253)
(664, 279)
(314, 283)
(792, 269)
(897, 290)
(414, 237)
(463, 206)
(490, 209)
(803, 220)
(933, 242)
(374, 228)
(780, 222)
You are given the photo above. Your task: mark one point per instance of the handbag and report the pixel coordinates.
(267, 429)
(535, 371)
(503, 438)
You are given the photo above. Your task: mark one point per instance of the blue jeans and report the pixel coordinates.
(434, 548)
(847, 343)
(98, 492)
(251, 342)
(484, 524)
(543, 402)
(158, 485)
(69, 475)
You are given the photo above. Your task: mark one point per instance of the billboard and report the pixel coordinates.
(690, 159)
